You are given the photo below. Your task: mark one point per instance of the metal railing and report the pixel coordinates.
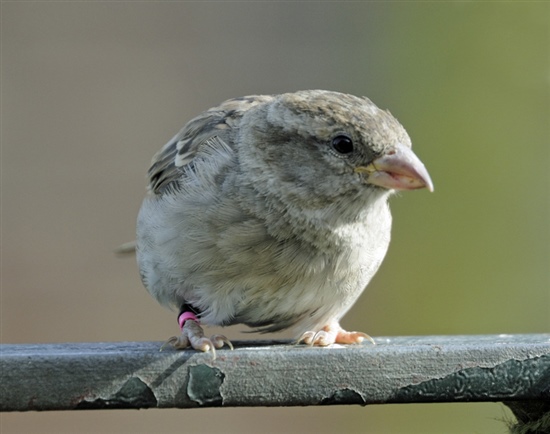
(514, 369)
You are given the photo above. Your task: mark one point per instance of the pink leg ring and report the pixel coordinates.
(186, 316)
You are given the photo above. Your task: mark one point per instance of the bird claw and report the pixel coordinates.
(220, 340)
(178, 342)
(333, 335)
(192, 336)
(307, 338)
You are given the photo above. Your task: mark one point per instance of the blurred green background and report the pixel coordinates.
(91, 90)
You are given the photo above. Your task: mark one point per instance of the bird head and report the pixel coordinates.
(318, 145)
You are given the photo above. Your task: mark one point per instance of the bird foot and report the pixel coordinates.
(192, 335)
(333, 334)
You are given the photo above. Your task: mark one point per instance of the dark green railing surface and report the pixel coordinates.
(514, 369)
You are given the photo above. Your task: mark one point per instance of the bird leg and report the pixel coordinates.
(192, 335)
(333, 334)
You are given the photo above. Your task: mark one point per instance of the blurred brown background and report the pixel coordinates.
(91, 90)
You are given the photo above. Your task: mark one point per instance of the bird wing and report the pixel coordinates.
(215, 127)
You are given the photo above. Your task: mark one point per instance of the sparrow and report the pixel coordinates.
(272, 211)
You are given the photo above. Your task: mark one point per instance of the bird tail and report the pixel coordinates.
(126, 249)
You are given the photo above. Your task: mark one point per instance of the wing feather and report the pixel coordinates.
(219, 123)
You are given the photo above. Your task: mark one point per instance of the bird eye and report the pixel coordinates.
(342, 144)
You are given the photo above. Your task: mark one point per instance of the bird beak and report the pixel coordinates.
(398, 169)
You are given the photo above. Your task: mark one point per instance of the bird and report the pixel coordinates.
(272, 211)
